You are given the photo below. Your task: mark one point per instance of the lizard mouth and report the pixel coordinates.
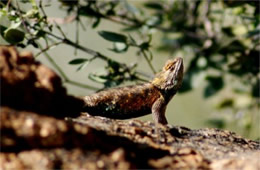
(178, 66)
(177, 72)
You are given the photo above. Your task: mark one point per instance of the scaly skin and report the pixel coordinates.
(138, 100)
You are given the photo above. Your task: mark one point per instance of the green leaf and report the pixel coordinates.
(255, 32)
(40, 33)
(154, 20)
(82, 66)
(25, 1)
(256, 89)
(119, 47)
(15, 25)
(96, 78)
(33, 43)
(2, 29)
(114, 37)
(33, 13)
(145, 45)
(78, 61)
(226, 103)
(132, 28)
(218, 123)
(13, 35)
(215, 83)
(131, 8)
(96, 23)
(154, 5)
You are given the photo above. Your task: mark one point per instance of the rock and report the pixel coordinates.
(41, 132)
(28, 85)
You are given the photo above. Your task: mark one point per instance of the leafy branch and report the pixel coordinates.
(40, 32)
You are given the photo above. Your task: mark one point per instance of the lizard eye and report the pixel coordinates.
(169, 66)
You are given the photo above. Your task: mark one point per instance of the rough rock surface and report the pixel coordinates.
(28, 85)
(38, 133)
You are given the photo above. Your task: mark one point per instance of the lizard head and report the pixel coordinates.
(170, 78)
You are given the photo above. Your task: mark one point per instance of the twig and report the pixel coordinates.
(77, 32)
(148, 61)
(22, 19)
(82, 26)
(63, 75)
(8, 3)
(59, 28)
(44, 14)
(47, 48)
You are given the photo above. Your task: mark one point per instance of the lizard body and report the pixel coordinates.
(138, 100)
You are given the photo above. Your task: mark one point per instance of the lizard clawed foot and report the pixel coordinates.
(160, 135)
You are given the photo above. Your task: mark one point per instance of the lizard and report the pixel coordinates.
(138, 100)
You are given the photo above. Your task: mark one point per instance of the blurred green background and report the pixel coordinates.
(218, 40)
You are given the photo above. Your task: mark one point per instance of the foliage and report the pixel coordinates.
(220, 39)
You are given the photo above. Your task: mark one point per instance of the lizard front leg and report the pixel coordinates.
(158, 111)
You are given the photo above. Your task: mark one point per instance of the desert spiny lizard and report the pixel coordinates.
(138, 100)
